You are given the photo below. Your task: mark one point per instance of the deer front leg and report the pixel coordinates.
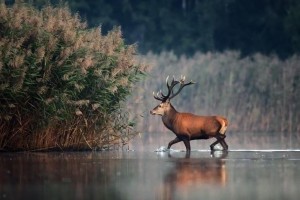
(187, 145)
(176, 140)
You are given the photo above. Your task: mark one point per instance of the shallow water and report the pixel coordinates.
(150, 175)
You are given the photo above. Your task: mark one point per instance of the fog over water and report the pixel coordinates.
(236, 141)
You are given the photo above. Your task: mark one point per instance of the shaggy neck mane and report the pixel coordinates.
(169, 117)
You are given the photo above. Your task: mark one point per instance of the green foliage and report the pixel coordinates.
(292, 24)
(188, 26)
(58, 77)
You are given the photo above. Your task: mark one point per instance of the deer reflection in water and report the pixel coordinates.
(188, 175)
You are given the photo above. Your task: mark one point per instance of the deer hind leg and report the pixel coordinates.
(220, 139)
(176, 140)
(223, 129)
(224, 144)
(221, 135)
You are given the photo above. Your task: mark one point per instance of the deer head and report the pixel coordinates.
(165, 104)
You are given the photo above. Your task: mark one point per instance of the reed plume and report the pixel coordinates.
(62, 85)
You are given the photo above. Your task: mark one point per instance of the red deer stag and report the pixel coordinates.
(187, 126)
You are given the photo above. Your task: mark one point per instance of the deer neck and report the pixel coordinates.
(169, 117)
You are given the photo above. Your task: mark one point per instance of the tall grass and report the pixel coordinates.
(62, 85)
(257, 93)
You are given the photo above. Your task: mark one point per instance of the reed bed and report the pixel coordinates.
(62, 85)
(257, 93)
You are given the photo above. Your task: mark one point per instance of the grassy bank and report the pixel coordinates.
(62, 85)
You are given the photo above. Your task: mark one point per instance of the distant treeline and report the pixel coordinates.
(187, 26)
(257, 93)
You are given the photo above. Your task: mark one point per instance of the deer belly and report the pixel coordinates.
(201, 136)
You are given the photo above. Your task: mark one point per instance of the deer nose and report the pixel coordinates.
(151, 112)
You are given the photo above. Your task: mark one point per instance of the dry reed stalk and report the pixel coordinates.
(70, 80)
(257, 93)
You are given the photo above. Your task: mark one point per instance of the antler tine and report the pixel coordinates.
(173, 81)
(170, 88)
(170, 94)
(156, 96)
(182, 79)
(167, 80)
(182, 85)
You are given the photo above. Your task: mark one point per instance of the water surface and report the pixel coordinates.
(150, 175)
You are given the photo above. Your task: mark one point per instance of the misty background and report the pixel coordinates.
(244, 56)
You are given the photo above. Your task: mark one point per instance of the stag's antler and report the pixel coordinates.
(182, 85)
(161, 97)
